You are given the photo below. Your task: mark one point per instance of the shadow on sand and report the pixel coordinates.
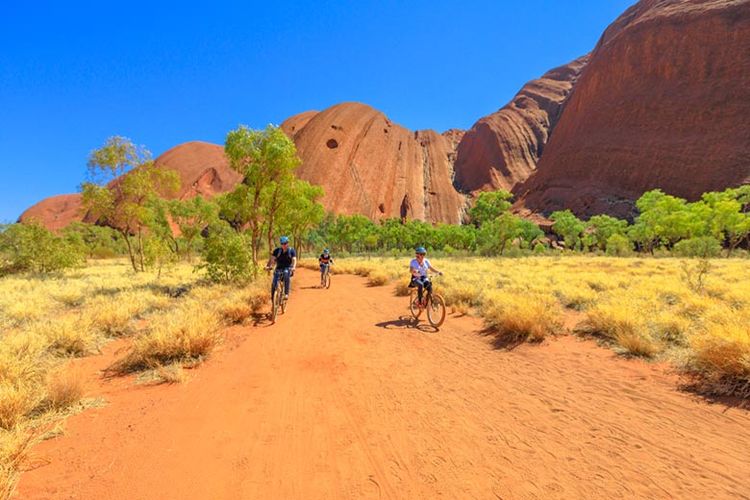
(407, 322)
(499, 341)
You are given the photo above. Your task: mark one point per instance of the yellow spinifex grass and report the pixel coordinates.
(45, 321)
(188, 333)
(642, 306)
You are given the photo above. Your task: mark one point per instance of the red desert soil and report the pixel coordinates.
(342, 399)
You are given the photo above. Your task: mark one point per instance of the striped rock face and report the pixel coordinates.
(663, 103)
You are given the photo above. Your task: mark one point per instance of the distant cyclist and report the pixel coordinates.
(419, 278)
(325, 260)
(285, 259)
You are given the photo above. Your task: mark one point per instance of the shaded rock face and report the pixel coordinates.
(502, 149)
(55, 212)
(369, 165)
(663, 103)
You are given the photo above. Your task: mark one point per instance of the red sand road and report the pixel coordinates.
(341, 399)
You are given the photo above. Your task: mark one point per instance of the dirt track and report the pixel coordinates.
(342, 399)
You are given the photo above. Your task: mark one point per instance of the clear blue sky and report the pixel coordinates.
(162, 73)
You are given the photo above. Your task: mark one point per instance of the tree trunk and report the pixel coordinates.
(130, 249)
(140, 248)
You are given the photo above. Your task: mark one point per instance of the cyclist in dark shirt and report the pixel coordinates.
(325, 260)
(285, 259)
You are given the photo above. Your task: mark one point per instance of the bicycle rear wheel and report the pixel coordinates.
(414, 308)
(436, 311)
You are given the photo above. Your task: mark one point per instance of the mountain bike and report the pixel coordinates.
(278, 297)
(326, 282)
(433, 303)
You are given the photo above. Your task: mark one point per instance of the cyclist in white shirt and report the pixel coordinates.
(419, 278)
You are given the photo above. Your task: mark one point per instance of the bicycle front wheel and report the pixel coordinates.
(327, 280)
(436, 311)
(275, 299)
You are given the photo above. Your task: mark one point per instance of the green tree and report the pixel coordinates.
(191, 217)
(95, 241)
(600, 228)
(495, 235)
(266, 158)
(618, 245)
(227, 255)
(489, 206)
(302, 212)
(124, 181)
(728, 221)
(30, 247)
(667, 219)
(570, 227)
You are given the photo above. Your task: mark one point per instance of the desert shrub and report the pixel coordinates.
(30, 247)
(703, 246)
(228, 256)
(516, 317)
(540, 249)
(618, 245)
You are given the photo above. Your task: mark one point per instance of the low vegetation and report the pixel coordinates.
(173, 321)
(645, 307)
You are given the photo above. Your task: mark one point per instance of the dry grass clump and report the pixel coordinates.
(720, 358)
(186, 334)
(402, 288)
(173, 373)
(377, 278)
(460, 294)
(71, 335)
(578, 297)
(235, 313)
(621, 322)
(16, 401)
(239, 306)
(518, 317)
(112, 316)
(65, 387)
(14, 446)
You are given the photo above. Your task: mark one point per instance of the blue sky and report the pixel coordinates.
(74, 73)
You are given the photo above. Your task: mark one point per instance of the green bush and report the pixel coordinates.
(30, 247)
(703, 246)
(540, 249)
(619, 245)
(228, 256)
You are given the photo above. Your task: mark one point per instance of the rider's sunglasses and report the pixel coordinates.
(422, 254)
(284, 244)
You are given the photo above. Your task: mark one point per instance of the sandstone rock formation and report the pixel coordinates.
(663, 103)
(203, 169)
(55, 212)
(369, 165)
(503, 149)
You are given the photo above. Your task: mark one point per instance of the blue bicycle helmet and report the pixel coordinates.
(421, 250)
(325, 251)
(284, 239)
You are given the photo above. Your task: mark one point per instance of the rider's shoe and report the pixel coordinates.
(286, 297)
